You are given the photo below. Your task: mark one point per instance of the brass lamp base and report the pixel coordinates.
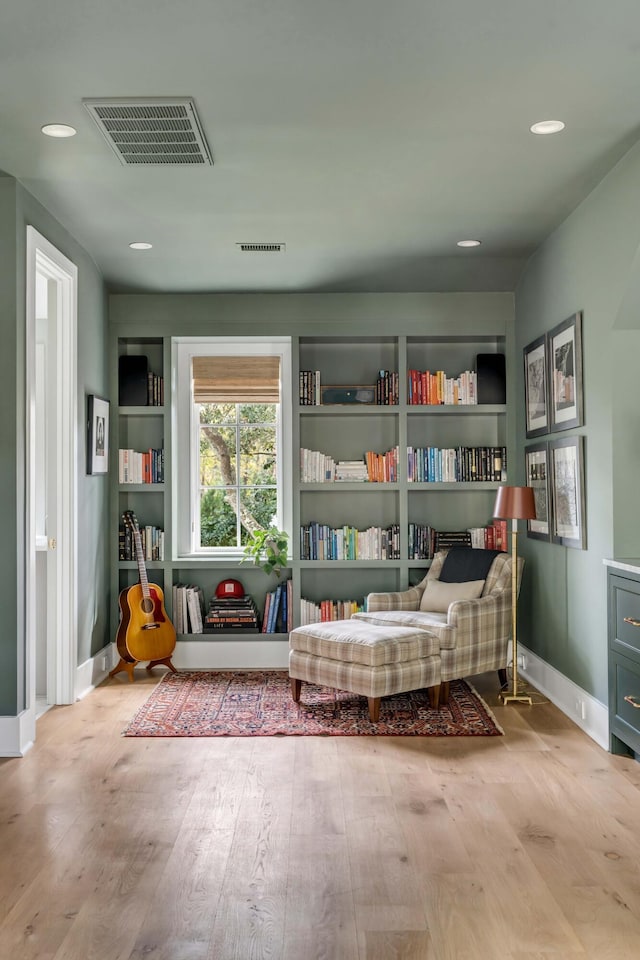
(515, 698)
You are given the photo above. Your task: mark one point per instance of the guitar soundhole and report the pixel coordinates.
(147, 605)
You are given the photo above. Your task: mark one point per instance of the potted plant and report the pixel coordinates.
(267, 549)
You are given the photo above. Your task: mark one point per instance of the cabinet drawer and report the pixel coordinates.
(626, 615)
(627, 696)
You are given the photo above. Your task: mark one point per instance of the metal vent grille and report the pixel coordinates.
(158, 132)
(262, 247)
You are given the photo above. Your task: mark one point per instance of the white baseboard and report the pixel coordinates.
(92, 672)
(589, 714)
(17, 734)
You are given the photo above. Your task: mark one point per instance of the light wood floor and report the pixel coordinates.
(523, 847)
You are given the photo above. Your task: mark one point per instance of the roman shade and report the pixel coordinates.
(236, 379)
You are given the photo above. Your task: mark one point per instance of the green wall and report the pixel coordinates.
(17, 210)
(590, 264)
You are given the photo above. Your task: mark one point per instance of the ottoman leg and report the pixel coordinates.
(434, 696)
(444, 692)
(374, 709)
(296, 686)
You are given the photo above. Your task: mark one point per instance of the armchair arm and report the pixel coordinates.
(401, 600)
(482, 629)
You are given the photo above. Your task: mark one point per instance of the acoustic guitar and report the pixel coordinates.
(145, 632)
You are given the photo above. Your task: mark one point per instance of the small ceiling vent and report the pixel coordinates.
(162, 132)
(262, 247)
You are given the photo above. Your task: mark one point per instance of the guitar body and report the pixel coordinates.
(145, 631)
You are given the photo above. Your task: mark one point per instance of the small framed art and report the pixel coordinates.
(564, 350)
(535, 387)
(97, 435)
(566, 461)
(537, 469)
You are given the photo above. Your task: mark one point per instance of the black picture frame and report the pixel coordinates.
(564, 353)
(97, 435)
(566, 456)
(538, 476)
(535, 387)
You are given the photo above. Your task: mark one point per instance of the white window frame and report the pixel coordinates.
(186, 431)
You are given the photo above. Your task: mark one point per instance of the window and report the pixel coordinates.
(232, 420)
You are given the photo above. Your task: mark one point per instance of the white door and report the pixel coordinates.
(50, 613)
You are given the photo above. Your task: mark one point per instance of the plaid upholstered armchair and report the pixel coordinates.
(472, 619)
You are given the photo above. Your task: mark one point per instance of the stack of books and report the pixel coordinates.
(452, 538)
(351, 471)
(232, 613)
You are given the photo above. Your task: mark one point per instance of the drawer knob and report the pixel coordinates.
(632, 700)
(634, 623)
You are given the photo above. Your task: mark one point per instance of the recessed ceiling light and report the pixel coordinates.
(59, 130)
(468, 243)
(544, 127)
(140, 245)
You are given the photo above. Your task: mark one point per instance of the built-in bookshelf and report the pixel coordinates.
(385, 507)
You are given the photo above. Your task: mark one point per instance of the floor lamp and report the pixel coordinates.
(514, 503)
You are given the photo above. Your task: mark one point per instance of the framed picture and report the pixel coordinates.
(537, 470)
(564, 349)
(97, 435)
(535, 387)
(567, 492)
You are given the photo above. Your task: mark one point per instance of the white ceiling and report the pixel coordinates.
(367, 135)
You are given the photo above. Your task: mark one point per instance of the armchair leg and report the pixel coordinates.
(502, 678)
(296, 687)
(374, 709)
(434, 696)
(444, 692)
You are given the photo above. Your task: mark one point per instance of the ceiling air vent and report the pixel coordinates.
(162, 132)
(262, 247)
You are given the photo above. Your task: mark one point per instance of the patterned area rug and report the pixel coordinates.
(259, 704)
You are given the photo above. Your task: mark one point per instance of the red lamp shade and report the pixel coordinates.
(515, 503)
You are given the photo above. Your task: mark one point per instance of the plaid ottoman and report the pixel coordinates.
(374, 661)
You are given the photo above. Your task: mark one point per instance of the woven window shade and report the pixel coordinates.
(236, 379)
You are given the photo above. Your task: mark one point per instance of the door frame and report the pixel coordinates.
(43, 257)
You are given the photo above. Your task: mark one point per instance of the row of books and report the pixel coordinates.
(188, 604)
(327, 610)
(317, 467)
(152, 539)
(319, 541)
(232, 613)
(493, 536)
(309, 393)
(383, 467)
(387, 388)
(155, 390)
(456, 464)
(424, 387)
(278, 609)
(137, 467)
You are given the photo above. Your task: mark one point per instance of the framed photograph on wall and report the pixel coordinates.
(564, 351)
(535, 387)
(537, 470)
(97, 435)
(566, 458)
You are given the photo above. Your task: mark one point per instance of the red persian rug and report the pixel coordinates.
(258, 703)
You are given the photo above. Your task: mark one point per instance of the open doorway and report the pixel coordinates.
(51, 468)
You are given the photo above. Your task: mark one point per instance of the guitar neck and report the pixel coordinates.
(142, 570)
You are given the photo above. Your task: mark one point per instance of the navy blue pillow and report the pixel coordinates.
(467, 563)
